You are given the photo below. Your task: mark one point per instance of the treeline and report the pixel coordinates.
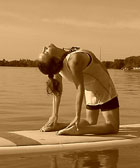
(129, 62)
(19, 63)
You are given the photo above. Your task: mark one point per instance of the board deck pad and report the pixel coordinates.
(35, 137)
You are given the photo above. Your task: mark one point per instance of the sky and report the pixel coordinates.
(109, 28)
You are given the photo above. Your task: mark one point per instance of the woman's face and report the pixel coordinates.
(52, 50)
(47, 51)
(50, 59)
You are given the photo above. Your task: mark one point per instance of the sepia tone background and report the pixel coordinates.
(26, 26)
(111, 29)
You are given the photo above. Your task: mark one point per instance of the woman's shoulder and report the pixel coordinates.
(79, 54)
(78, 57)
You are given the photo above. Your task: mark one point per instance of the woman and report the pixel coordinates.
(91, 80)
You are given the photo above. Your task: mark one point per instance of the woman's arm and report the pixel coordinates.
(51, 123)
(57, 98)
(76, 65)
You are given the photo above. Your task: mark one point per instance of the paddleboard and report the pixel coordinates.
(16, 142)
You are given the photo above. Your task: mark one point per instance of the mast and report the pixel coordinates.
(100, 54)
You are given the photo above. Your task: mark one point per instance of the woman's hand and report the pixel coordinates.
(75, 122)
(52, 121)
(72, 128)
(50, 125)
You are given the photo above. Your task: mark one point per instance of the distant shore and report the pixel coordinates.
(19, 63)
(129, 62)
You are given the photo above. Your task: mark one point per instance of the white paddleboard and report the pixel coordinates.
(35, 141)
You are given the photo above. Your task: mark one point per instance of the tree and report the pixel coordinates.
(133, 61)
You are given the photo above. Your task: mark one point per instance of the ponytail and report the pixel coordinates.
(53, 86)
(72, 49)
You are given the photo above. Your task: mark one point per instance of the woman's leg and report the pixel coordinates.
(92, 116)
(112, 119)
(110, 126)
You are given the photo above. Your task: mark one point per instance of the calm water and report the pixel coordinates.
(24, 105)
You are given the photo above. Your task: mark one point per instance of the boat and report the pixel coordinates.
(132, 69)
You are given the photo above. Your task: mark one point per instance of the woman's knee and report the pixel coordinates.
(114, 128)
(92, 116)
(92, 122)
(112, 119)
(83, 123)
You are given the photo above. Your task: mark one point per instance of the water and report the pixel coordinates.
(112, 158)
(24, 105)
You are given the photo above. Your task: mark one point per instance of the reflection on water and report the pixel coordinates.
(122, 157)
(91, 159)
(81, 159)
